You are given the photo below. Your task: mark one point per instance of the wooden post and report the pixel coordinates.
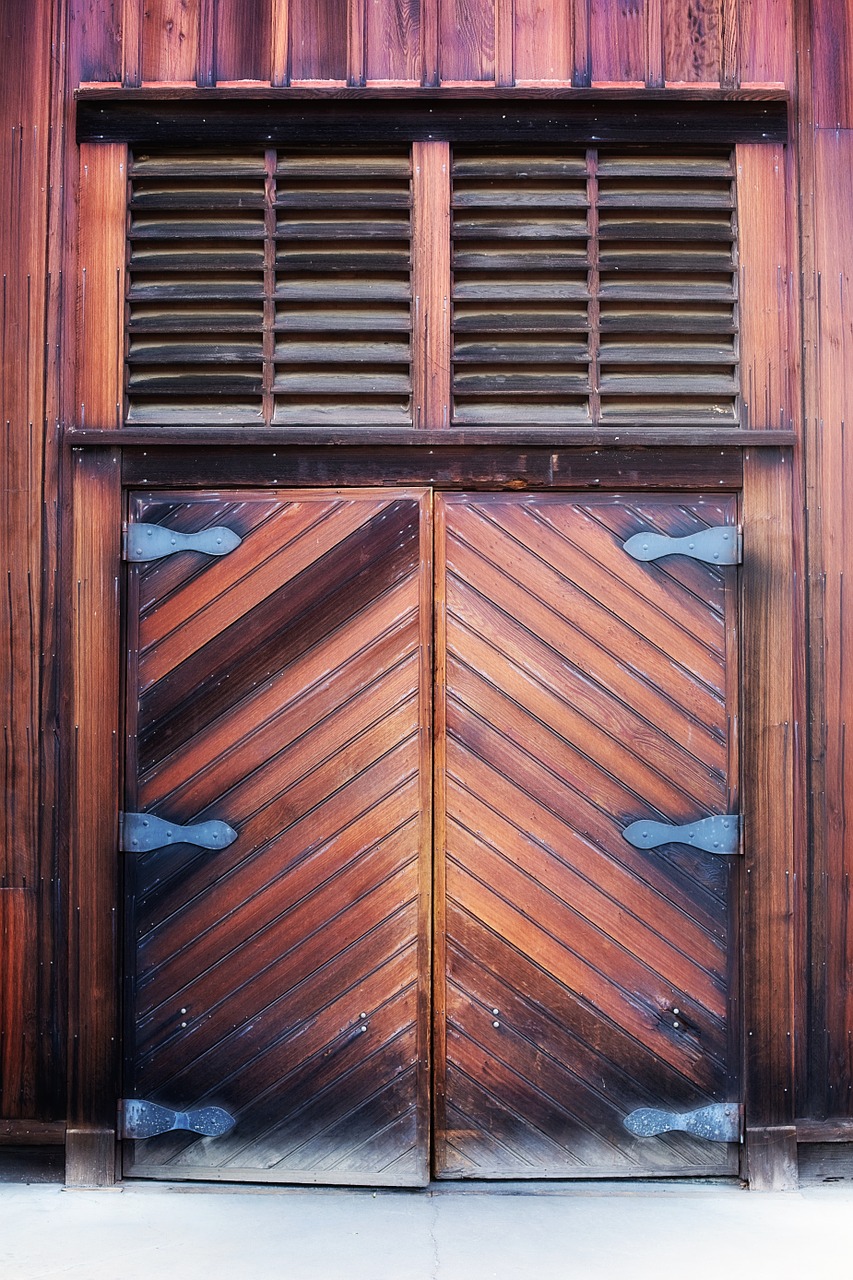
(431, 284)
(768, 808)
(94, 764)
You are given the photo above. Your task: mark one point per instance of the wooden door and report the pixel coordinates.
(285, 690)
(579, 978)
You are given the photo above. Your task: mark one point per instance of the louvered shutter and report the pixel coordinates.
(196, 292)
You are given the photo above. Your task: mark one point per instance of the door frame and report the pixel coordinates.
(99, 471)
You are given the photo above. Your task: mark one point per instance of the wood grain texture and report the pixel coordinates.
(318, 39)
(431, 284)
(766, 286)
(467, 40)
(393, 40)
(567, 952)
(617, 41)
(767, 36)
(693, 40)
(92, 993)
(101, 267)
(131, 43)
(543, 45)
(96, 26)
(170, 40)
(286, 978)
(768, 800)
(18, 1002)
(831, 403)
(830, 40)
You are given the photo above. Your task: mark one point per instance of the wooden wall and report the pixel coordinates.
(47, 47)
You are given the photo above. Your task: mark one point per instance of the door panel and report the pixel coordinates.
(285, 689)
(578, 978)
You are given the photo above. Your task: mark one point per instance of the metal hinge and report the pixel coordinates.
(141, 832)
(141, 1119)
(720, 834)
(720, 545)
(719, 1122)
(154, 541)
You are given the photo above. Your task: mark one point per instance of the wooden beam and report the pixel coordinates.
(94, 763)
(431, 284)
(101, 268)
(768, 816)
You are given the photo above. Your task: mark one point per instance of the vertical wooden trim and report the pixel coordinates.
(431, 347)
(594, 283)
(94, 765)
(356, 43)
(504, 42)
(765, 284)
(205, 75)
(269, 337)
(768, 809)
(730, 44)
(439, 993)
(581, 57)
(430, 26)
(131, 44)
(654, 44)
(280, 59)
(101, 268)
(425, 751)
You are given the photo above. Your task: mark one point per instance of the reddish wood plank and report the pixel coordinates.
(467, 40)
(617, 40)
(101, 261)
(280, 43)
(831, 70)
(766, 41)
(431, 283)
(543, 40)
(768, 586)
(693, 40)
(318, 39)
(393, 40)
(92, 1002)
(243, 31)
(19, 946)
(170, 40)
(131, 43)
(766, 285)
(96, 26)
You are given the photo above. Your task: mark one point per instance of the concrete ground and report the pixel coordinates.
(655, 1231)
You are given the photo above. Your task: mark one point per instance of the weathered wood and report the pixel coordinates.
(318, 39)
(101, 290)
(392, 40)
(18, 1001)
(536, 58)
(242, 48)
(431, 285)
(617, 41)
(768, 807)
(466, 40)
(829, 42)
(93, 871)
(693, 40)
(96, 28)
(32, 1133)
(170, 36)
(766, 42)
(838, 1129)
(766, 284)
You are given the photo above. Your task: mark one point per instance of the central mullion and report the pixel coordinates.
(270, 161)
(431, 354)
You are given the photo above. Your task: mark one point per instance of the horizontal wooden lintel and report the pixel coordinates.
(839, 1129)
(32, 1133)
(271, 437)
(180, 117)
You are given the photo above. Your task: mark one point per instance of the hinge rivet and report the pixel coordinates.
(496, 1024)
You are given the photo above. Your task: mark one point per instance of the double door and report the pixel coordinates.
(429, 947)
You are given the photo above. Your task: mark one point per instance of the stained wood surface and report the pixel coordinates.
(579, 978)
(722, 42)
(284, 689)
(101, 295)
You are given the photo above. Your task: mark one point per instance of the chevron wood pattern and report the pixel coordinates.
(576, 977)
(285, 689)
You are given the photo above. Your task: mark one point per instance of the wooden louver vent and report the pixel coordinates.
(594, 288)
(270, 289)
(587, 289)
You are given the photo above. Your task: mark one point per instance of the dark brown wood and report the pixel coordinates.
(582, 977)
(510, 467)
(32, 1133)
(285, 119)
(284, 689)
(839, 1129)
(768, 806)
(93, 871)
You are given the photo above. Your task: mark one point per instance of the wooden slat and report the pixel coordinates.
(467, 40)
(768, 587)
(693, 41)
(170, 40)
(766, 286)
(431, 284)
(318, 39)
(92, 1001)
(767, 41)
(540, 765)
(19, 941)
(99, 42)
(242, 40)
(103, 200)
(832, 77)
(617, 42)
(392, 40)
(543, 41)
